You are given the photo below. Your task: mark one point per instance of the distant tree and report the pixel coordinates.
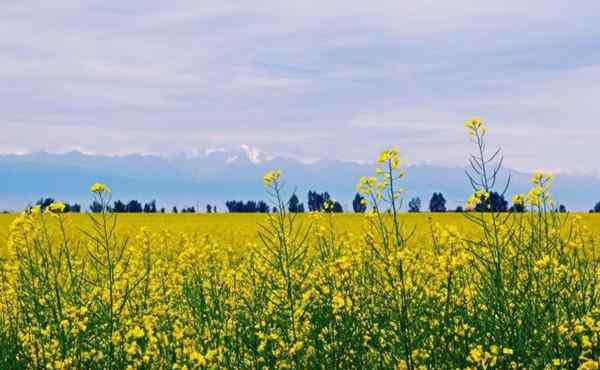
(562, 208)
(232, 206)
(119, 207)
(293, 203)
(96, 207)
(459, 209)
(174, 210)
(215, 209)
(414, 205)
(275, 210)
(188, 210)
(69, 208)
(208, 208)
(301, 208)
(316, 201)
(437, 203)
(44, 202)
(134, 207)
(333, 206)
(517, 208)
(150, 207)
(495, 203)
(263, 207)
(313, 201)
(359, 204)
(251, 206)
(163, 210)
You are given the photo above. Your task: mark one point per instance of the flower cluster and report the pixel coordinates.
(99, 188)
(271, 177)
(475, 127)
(474, 200)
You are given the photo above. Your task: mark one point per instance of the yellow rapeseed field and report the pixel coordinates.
(382, 290)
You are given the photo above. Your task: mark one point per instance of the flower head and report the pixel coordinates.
(390, 155)
(543, 179)
(57, 207)
(271, 177)
(536, 196)
(367, 185)
(518, 199)
(35, 210)
(475, 126)
(99, 188)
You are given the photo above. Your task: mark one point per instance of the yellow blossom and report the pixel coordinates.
(100, 188)
(475, 126)
(57, 207)
(271, 177)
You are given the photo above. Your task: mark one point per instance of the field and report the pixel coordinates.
(380, 290)
(190, 291)
(233, 229)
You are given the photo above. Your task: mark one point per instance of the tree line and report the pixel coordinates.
(316, 201)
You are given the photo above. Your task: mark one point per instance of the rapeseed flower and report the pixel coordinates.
(271, 177)
(519, 199)
(99, 188)
(57, 207)
(475, 126)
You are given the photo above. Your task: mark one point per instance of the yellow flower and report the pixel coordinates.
(366, 185)
(476, 199)
(271, 177)
(390, 155)
(57, 207)
(402, 365)
(136, 332)
(338, 302)
(132, 349)
(100, 188)
(35, 210)
(542, 179)
(535, 196)
(475, 126)
(198, 358)
(476, 354)
(556, 362)
(519, 199)
(590, 365)
(507, 351)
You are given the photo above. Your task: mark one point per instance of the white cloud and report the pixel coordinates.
(313, 79)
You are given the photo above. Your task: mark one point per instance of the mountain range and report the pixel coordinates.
(214, 176)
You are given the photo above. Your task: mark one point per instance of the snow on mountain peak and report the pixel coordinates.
(253, 154)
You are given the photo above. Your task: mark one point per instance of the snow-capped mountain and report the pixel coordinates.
(216, 175)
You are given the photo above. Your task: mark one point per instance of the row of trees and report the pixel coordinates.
(251, 206)
(134, 206)
(495, 203)
(316, 202)
(71, 208)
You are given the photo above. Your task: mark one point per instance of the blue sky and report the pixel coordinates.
(310, 79)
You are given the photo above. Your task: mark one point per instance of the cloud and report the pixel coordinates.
(327, 79)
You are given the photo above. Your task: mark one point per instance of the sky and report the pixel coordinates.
(307, 79)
